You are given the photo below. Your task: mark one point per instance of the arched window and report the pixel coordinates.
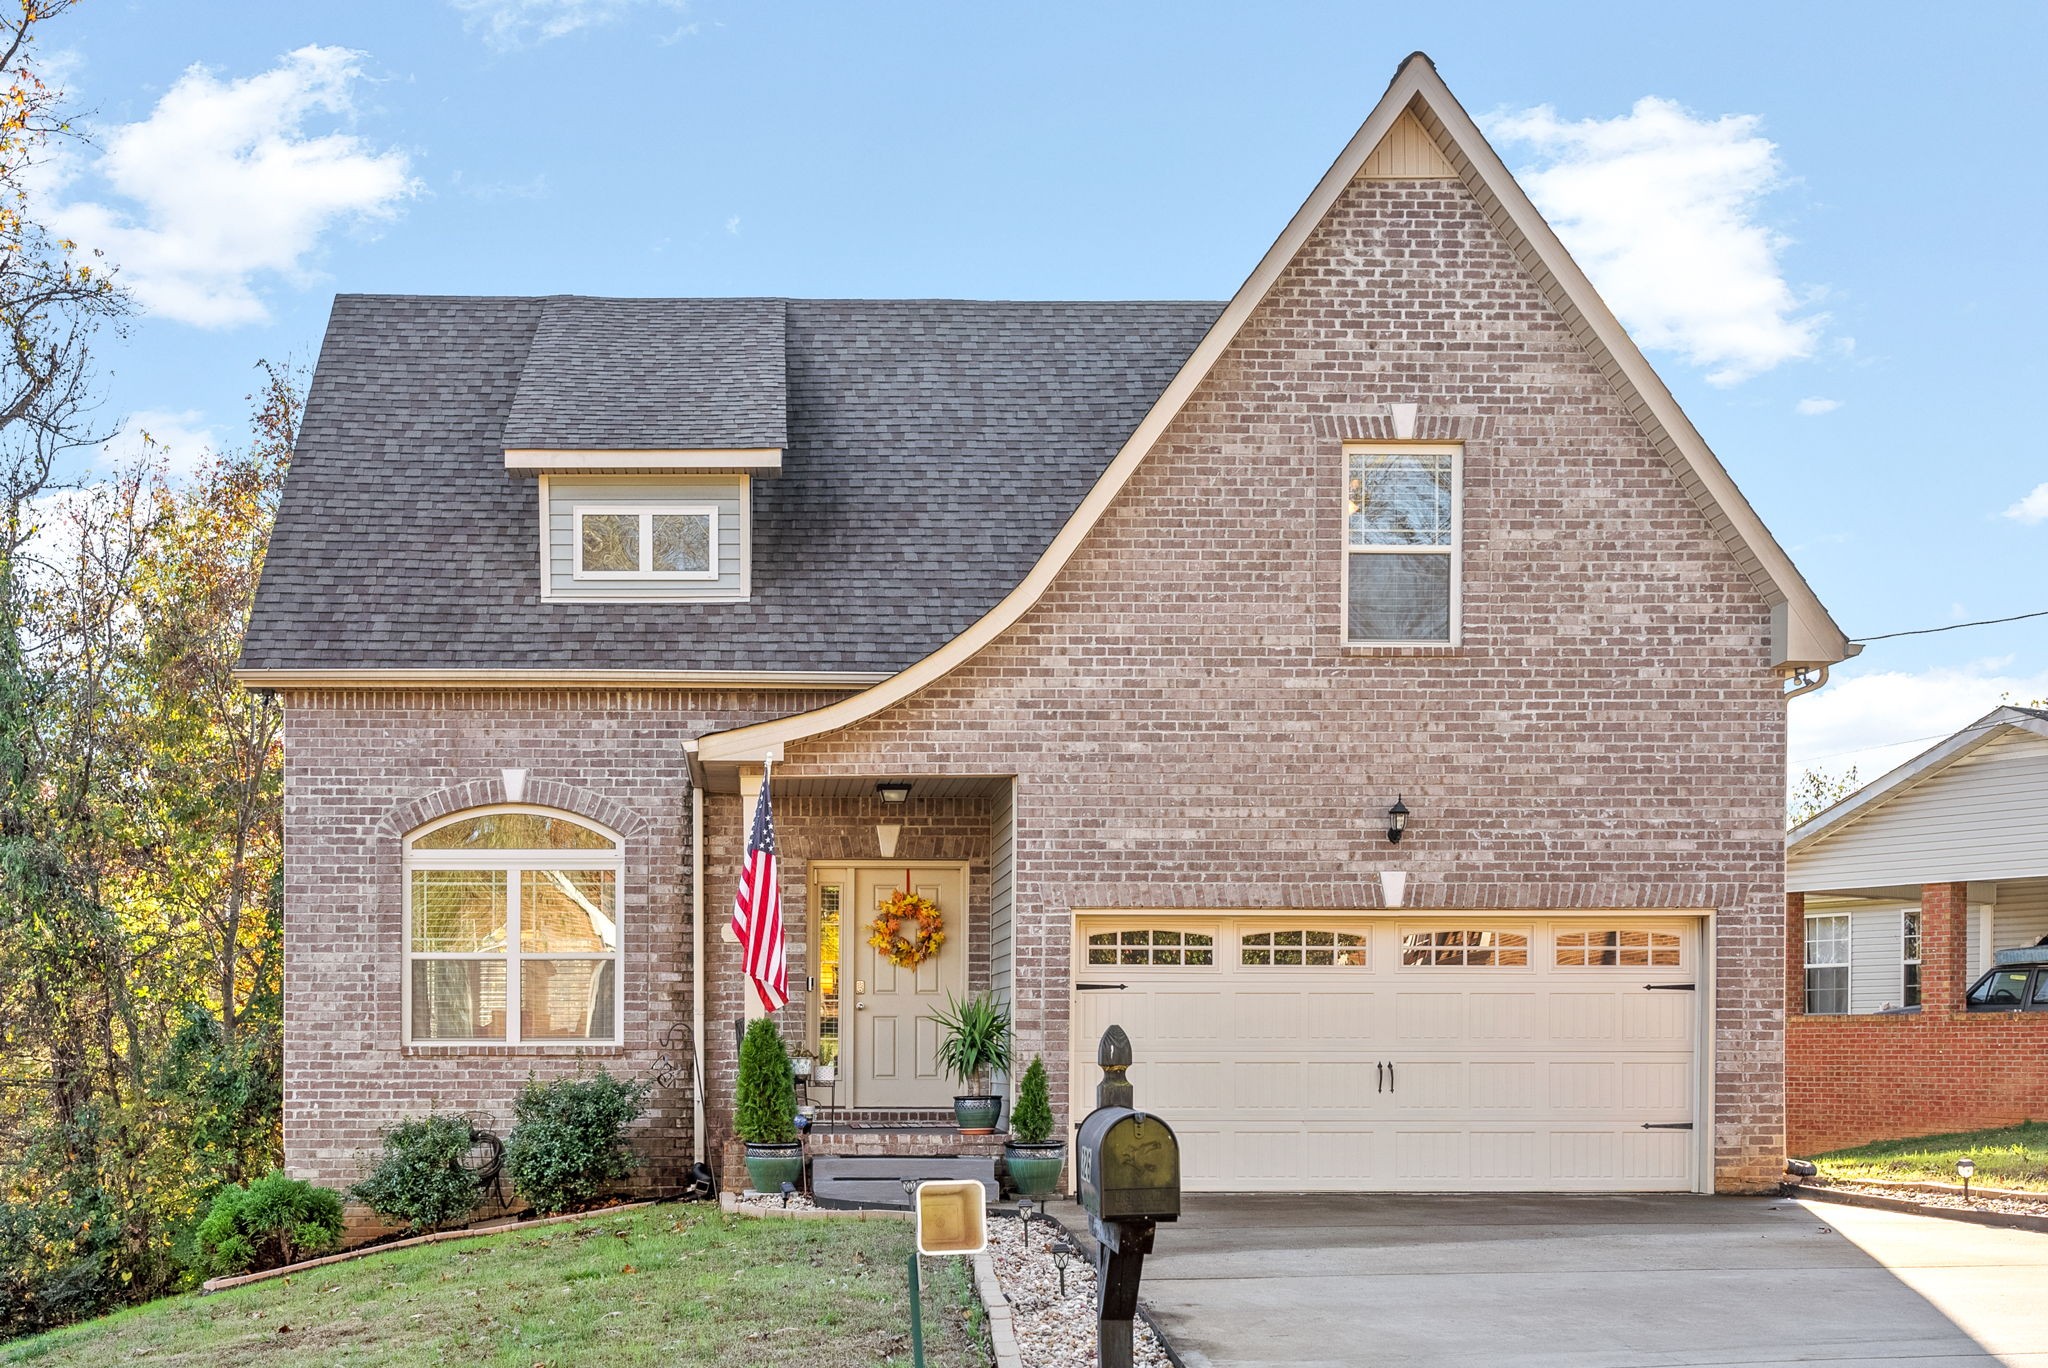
(512, 929)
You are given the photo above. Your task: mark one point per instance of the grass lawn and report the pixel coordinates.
(2011, 1157)
(664, 1285)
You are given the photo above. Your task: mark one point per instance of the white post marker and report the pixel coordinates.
(952, 1218)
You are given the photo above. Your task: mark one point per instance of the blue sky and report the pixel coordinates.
(1820, 217)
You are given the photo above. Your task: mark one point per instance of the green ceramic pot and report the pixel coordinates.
(976, 1115)
(1035, 1168)
(770, 1166)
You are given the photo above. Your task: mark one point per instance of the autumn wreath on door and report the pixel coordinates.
(907, 928)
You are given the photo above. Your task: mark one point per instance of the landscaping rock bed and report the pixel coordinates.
(1054, 1331)
(2018, 1210)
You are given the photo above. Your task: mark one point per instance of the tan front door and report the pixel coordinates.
(890, 1047)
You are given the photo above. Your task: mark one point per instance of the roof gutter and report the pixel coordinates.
(359, 678)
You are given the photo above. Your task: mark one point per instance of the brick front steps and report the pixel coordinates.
(876, 1142)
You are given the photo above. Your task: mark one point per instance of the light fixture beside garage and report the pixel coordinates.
(1397, 821)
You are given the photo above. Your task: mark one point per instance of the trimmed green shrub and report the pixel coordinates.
(419, 1180)
(568, 1142)
(764, 1100)
(1031, 1118)
(275, 1220)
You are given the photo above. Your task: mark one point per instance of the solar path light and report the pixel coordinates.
(1966, 1169)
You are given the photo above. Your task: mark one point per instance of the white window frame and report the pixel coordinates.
(1912, 934)
(646, 512)
(1455, 550)
(1809, 964)
(512, 863)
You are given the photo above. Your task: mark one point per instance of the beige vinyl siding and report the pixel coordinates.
(1002, 895)
(1877, 976)
(2021, 916)
(1407, 153)
(1979, 819)
(725, 492)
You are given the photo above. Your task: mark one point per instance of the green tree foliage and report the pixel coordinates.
(568, 1140)
(1031, 1118)
(1815, 792)
(764, 1099)
(419, 1180)
(274, 1221)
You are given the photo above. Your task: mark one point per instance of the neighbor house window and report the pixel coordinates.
(1306, 948)
(656, 541)
(1827, 964)
(1910, 955)
(1401, 515)
(1463, 949)
(512, 929)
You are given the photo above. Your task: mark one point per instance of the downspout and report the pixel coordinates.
(698, 1145)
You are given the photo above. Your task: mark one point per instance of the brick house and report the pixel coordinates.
(1899, 902)
(1117, 629)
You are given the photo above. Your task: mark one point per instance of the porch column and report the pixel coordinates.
(1795, 954)
(1944, 946)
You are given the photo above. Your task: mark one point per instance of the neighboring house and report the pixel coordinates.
(1899, 897)
(1115, 628)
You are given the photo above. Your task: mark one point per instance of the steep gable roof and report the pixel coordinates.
(1803, 632)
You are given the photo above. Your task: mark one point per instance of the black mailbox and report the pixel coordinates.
(1128, 1163)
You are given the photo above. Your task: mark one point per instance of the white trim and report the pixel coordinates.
(707, 459)
(1804, 632)
(512, 863)
(1807, 964)
(372, 678)
(647, 513)
(547, 569)
(1455, 548)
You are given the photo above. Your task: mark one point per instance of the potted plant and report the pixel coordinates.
(764, 1109)
(974, 1042)
(1033, 1158)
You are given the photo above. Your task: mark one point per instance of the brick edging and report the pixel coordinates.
(2007, 1220)
(437, 1237)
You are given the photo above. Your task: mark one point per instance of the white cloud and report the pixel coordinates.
(1878, 721)
(732, 225)
(1663, 210)
(2031, 509)
(1814, 408)
(227, 185)
(181, 440)
(510, 24)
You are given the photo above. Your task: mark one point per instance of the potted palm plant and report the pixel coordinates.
(1033, 1158)
(764, 1109)
(974, 1042)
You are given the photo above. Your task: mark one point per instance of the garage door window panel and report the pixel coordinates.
(1465, 948)
(1622, 948)
(1302, 948)
(1153, 947)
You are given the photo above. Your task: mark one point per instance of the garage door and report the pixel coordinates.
(1440, 1054)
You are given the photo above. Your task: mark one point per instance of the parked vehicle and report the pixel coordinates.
(2011, 988)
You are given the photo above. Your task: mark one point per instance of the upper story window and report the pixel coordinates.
(512, 929)
(1827, 963)
(1402, 544)
(650, 541)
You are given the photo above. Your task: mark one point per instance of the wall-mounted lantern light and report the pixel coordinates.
(893, 790)
(1397, 821)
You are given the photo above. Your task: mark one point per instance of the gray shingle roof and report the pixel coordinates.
(933, 450)
(653, 374)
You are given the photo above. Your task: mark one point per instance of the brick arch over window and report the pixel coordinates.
(490, 792)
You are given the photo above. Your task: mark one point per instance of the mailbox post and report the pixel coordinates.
(1128, 1166)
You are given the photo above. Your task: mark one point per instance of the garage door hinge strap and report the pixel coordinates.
(1097, 987)
(1671, 987)
(1667, 1125)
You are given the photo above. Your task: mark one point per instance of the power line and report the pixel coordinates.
(1952, 627)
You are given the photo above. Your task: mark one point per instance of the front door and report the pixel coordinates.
(888, 1041)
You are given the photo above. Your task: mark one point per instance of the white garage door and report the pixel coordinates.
(1386, 1055)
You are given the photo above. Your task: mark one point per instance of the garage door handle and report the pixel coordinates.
(1390, 1077)
(1098, 987)
(1381, 1069)
(1671, 987)
(1667, 1125)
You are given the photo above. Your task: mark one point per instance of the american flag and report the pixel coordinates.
(757, 911)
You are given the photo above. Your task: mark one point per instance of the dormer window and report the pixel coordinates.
(646, 542)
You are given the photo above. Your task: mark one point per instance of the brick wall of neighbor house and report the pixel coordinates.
(1854, 1079)
(1188, 730)
(361, 770)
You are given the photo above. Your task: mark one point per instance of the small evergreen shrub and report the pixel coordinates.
(1031, 1118)
(275, 1220)
(764, 1100)
(419, 1180)
(568, 1142)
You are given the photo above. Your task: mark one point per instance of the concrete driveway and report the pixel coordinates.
(1590, 1282)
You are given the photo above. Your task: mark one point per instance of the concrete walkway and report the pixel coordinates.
(1590, 1282)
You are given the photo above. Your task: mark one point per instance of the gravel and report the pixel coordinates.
(1054, 1331)
(763, 1201)
(2013, 1206)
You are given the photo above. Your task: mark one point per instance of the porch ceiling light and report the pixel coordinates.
(893, 790)
(1397, 821)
